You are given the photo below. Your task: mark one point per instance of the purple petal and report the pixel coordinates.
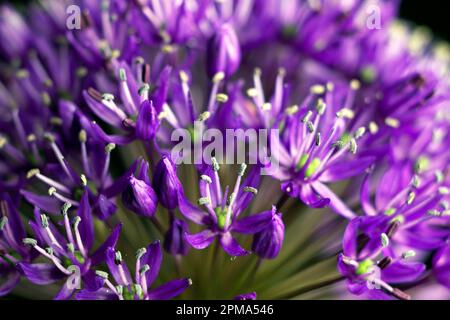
(335, 202)
(102, 111)
(253, 223)
(114, 268)
(174, 242)
(153, 257)
(67, 113)
(143, 172)
(45, 203)
(101, 294)
(346, 169)
(231, 246)
(161, 94)
(9, 283)
(86, 224)
(190, 211)
(140, 198)
(65, 293)
(243, 198)
(309, 197)
(200, 240)
(365, 197)
(120, 183)
(392, 182)
(96, 132)
(106, 208)
(166, 183)
(41, 273)
(399, 272)
(14, 220)
(349, 242)
(147, 121)
(169, 290)
(99, 255)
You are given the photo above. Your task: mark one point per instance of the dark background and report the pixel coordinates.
(432, 13)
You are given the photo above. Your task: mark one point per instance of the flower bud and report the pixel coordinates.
(140, 197)
(267, 243)
(147, 121)
(174, 242)
(224, 53)
(166, 183)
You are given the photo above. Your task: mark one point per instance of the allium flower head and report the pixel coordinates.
(330, 120)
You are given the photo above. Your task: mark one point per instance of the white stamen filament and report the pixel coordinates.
(79, 242)
(52, 183)
(68, 229)
(60, 158)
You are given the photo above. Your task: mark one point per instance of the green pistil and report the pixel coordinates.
(79, 257)
(282, 125)
(368, 74)
(66, 262)
(364, 267)
(289, 32)
(312, 168)
(302, 161)
(127, 294)
(130, 294)
(221, 215)
(65, 95)
(194, 135)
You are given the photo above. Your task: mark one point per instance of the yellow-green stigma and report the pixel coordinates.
(312, 167)
(364, 267)
(221, 215)
(302, 161)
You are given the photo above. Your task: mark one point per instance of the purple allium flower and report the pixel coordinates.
(136, 116)
(371, 268)
(65, 185)
(102, 39)
(414, 211)
(139, 196)
(69, 254)
(148, 263)
(12, 252)
(267, 242)
(222, 210)
(166, 183)
(441, 265)
(15, 35)
(319, 147)
(174, 241)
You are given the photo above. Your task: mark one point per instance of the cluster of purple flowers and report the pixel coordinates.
(89, 101)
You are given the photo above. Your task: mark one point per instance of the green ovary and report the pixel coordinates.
(364, 267)
(312, 167)
(302, 161)
(221, 216)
